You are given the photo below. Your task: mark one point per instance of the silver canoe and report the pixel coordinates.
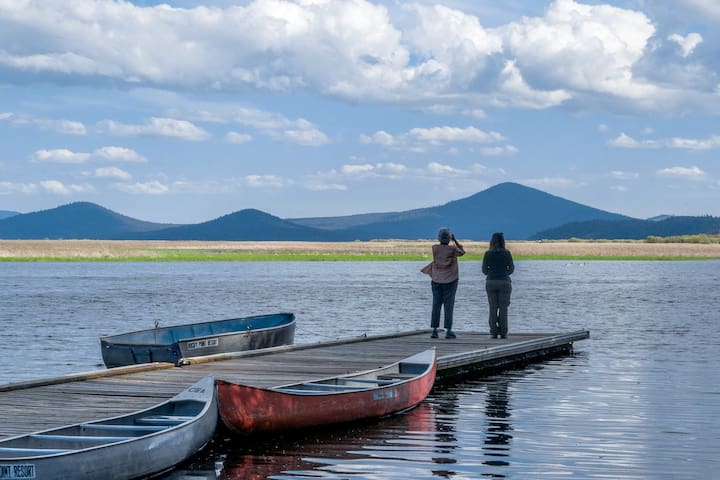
(125, 447)
(170, 344)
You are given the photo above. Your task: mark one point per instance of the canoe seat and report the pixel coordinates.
(169, 420)
(329, 386)
(33, 451)
(397, 376)
(371, 381)
(120, 428)
(79, 438)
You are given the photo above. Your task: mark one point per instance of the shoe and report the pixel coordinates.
(503, 336)
(494, 336)
(450, 334)
(434, 333)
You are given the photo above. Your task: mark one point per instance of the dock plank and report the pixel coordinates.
(49, 403)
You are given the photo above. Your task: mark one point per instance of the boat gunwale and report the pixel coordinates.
(109, 338)
(370, 387)
(207, 404)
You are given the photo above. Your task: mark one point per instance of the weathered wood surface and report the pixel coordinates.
(48, 403)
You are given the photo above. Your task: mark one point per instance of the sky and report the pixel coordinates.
(183, 111)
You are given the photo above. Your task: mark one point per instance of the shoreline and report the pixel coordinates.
(380, 250)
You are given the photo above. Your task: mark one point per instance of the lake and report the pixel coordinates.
(639, 400)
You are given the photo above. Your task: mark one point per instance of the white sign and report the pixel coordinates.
(204, 343)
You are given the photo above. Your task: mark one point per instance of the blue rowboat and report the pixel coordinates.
(131, 446)
(171, 344)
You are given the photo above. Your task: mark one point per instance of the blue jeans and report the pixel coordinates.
(443, 297)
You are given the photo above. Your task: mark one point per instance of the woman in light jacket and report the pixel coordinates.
(444, 274)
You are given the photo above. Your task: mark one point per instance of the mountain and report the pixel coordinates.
(249, 224)
(520, 212)
(514, 209)
(75, 220)
(7, 214)
(633, 229)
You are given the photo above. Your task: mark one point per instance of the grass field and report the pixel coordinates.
(122, 250)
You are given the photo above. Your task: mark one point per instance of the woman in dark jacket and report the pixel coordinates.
(498, 266)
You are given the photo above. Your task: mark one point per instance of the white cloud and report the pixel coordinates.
(237, 138)
(622, 175)
(423, 139)
(422, 54)
(582, 47)
(687, 173)
(119, 154)
(12, 188)
(150, 188)
(687, 43)
(319, 186)
(625, 141)
(163, 127)
(553, 182)
(112, 172)
(67, 127)
(264, 181)
(516, 92)
(436, 168)
(57, 187)
(498, 151)
(60, 156)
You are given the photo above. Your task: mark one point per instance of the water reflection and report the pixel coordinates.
(460, 431)
(497, 411)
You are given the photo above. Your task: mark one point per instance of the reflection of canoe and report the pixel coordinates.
(130, 446)
(370, 394)
(170, 344)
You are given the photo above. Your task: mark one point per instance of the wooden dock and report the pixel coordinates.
(37, 405)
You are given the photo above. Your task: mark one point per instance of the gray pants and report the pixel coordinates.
(443, 297)
(498, 292)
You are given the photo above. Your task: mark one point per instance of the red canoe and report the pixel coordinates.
(363, 395)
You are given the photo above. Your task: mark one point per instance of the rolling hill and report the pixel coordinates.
(514, 209)
(75, 220)
(248, 224)
(7, 214)
(669, 226)
(520, 212)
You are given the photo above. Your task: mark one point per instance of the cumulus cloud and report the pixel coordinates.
(424, 139)
(264, 181)
(12, 188)
(119, 154)
(352, 49)
(59, 188)
(686, 173)
(687, 43)
(112, 172)
(625, 141)
(582, 47)
(622, 175)
(67, 127)
(60, 155)
(237, 138)
(143, 188)
(163, 127)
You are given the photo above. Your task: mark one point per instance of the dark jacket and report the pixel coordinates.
(498, 265)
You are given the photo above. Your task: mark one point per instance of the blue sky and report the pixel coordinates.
(187, 110)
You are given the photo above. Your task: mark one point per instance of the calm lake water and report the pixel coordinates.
(639, 400)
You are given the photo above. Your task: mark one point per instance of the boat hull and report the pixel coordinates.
(130, 458)
(245, 409)
(171, 344)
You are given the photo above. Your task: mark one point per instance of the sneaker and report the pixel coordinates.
(450, 334)
(434, 333)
